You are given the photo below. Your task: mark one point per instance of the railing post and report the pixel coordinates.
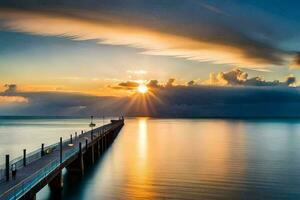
(86, 144)
(71, 139)
(102, 144)
(104, 139)
(42, 150)
(24, 157)
(98, 145)
(75, 135)
(80, 149)
(60, 150)
(7, 167)
(92, 135)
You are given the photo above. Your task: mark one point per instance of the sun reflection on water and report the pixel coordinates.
(142, 138)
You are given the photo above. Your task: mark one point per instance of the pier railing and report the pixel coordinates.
(30, 158)
(30, 182)
(26, 185)
(36, 155)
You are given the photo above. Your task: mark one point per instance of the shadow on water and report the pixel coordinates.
(75, 186)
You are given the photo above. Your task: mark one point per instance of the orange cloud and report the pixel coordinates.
(12, 99)
(295, 63)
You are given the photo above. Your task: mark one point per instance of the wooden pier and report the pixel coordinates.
(73, 154)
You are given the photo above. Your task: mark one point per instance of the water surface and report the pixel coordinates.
(179, 158)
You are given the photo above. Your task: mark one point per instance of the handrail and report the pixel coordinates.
(37, 176)
(14, 193)
(35, 155)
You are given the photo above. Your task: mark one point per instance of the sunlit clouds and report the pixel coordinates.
(189, 100)
(233, 77)
(296, 61)
(237, 77)
(12, 99)
(150, 41)
(168, 58)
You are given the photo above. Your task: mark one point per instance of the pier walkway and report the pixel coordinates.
(45, 165)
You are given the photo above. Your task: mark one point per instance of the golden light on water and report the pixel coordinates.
(142, 141)
(142, 88)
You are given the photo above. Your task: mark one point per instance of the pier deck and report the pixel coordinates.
(32, 177)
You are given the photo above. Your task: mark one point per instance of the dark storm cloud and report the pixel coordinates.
(205, 101)
(251, 34)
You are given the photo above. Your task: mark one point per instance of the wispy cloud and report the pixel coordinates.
(206, 37)
(71, 78)
(137, 72)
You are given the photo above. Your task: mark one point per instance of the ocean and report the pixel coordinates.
(174, 158)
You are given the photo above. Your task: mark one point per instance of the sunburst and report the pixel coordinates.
(142, 88)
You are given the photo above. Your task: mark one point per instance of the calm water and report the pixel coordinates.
(177, 158)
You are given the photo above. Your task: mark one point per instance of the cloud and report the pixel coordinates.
(296, 61)
(153, 84)
(207, 101)
(167, 100)
(128, 85)
(137, 72)
(290, 80)
(170, 82)
(236, 77)
(12, 99)
(62, 104)
(9, 96)
(176, 101)
(10, 88)
(191, 83)
(199, 31)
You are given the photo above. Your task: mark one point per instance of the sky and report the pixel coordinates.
(197, 57)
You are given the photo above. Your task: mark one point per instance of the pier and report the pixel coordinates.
(44, 166)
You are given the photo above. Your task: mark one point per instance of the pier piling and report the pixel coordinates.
(7, 167)
(24, 157)
(60, 149)
(42, 150)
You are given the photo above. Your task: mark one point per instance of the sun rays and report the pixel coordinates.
(144, 100)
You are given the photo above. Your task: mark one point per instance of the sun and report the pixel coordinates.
(142, 88)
